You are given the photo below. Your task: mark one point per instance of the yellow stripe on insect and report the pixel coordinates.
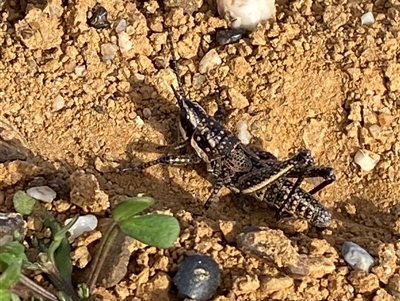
(268, 181)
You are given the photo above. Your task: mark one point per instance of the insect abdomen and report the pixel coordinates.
(300, 204)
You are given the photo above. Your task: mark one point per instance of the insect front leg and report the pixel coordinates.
(219, 177)
(218, 183)
(174, 160)
(220, 114)
(181, 145)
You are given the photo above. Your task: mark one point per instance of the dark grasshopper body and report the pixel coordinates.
(230, 163)
(278, 191)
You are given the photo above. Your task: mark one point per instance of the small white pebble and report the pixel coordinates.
(108, 51)
(198, 80)
(124, 42)
(121, 26)
(146, 113)
(114, 40)
(84, 223)
(79, 70)
(357, 257)
(138, 121)
(238, 101)
(246, 14)
(131, 30)
(58, 103)
(366, 159)
(367, 19)
(243, 133)
(375, 131)
(55, 10)
(42, 193)
(209, 61)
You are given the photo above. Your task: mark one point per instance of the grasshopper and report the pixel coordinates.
(232, 164)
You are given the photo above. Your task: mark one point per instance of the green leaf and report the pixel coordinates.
(130, 207)
(63, 296)
(59, 251)
(5, 295)
(13, 252)
(58, 238)
(23, 203)
(83, 291)
(5, 261)
(12, 257)
(15, 297)
(15, 249)
(11, 275)
(154, 229)
(62, 254)
(62, 258)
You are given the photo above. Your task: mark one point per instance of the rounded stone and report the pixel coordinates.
(198, 278)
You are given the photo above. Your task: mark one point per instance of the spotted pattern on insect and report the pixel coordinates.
(232, 164)
(300, 203)
(213, 140)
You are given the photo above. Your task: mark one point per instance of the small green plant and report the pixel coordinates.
(12, 257)
(157, 230)
(54, 260)
(14, 284)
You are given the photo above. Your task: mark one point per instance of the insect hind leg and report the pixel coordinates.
(302, 172)
(324, 172)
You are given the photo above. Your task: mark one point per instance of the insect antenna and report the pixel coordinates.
(180, 93)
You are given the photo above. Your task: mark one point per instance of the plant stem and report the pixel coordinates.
(106, 241)
(61, 283)
(58, 257)
(35, 288)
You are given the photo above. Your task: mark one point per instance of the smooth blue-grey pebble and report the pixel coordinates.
(357, 257)
(197, 278)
